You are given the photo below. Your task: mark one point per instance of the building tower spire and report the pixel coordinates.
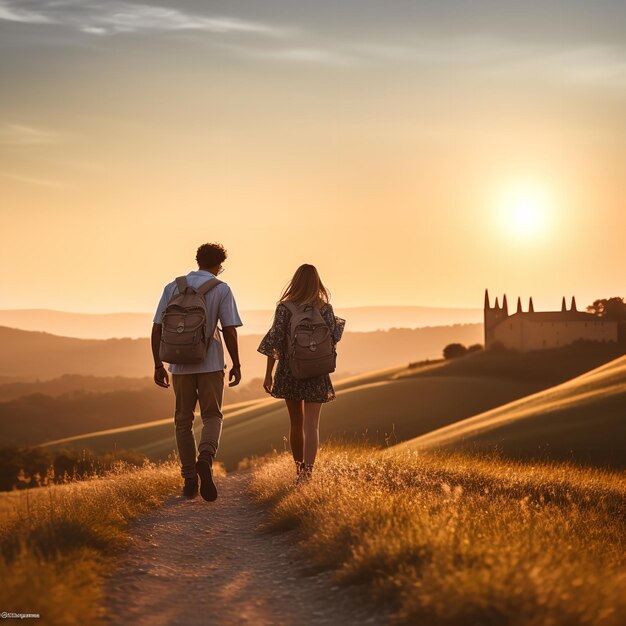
(573, 307)
(531, 308)
(563, 305)
(492, 317)
(519, 304)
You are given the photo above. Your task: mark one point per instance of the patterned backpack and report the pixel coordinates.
(310, 348)
(184, 337)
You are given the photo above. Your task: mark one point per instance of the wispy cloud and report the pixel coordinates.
(22, 135)
(16, 14)
(573, 63)
(593, 64)
(569, 63)
(110, 18)
(308, 55)
(311, 55)
(37, 182)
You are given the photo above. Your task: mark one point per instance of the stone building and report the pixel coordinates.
(535, 330)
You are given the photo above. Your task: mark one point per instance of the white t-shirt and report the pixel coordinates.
(220, 305)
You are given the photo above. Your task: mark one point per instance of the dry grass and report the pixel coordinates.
(57, 542)
(449, 539)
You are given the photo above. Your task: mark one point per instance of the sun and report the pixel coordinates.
(524, 210)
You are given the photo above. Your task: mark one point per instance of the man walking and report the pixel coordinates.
(204, 381)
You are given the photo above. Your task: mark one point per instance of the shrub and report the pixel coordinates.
(22, 468)
(454, 351)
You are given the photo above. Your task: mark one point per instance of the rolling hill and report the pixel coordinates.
(31, 413)
(582, 420)
(377, 406)
(551, 366)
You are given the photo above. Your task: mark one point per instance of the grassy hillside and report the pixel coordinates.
(583, 419)
(74, 405)
(36, 418)
(550, 366)
(393, 404)
(72, 383)
(376, 407)
(68, 383)
(449, 540)
(57, 543)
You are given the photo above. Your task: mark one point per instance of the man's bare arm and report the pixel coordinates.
(160, 373)
(230, 339)
(157, 329)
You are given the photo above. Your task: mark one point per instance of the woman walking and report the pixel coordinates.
(304, 396)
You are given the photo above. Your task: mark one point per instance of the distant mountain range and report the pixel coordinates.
(30, 355)
(135, 325)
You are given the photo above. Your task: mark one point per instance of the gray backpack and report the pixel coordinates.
(184, 337)
(310, 348)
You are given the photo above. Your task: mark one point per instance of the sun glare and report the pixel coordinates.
(524, 210)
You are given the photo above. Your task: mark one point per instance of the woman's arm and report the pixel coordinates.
(336, 324)
(267, 383)
(272, 345)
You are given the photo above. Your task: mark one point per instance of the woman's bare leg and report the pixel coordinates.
(296, 420)
(311, 430)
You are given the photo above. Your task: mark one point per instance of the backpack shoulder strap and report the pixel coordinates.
(290, 305)
(208, 285)
(181, 283)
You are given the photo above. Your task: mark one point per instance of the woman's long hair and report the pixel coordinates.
(306, 287)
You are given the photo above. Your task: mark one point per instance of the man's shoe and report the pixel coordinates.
(190, 489)
(208, 490)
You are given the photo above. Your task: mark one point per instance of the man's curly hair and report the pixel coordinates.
(210, 255)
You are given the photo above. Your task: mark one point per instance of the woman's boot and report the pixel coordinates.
(299, 468)
(306, 473)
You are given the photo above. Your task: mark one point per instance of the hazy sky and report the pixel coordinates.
(416, 152)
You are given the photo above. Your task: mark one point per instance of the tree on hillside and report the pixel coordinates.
(25, 467)
(15, 462)
(454, 351)
(609, 309)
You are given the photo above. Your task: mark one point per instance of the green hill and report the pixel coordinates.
(551, 366)
(73, 405)
(583, 420)
(374, 407)
(385, 406)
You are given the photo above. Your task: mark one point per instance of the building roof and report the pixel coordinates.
(555, 316)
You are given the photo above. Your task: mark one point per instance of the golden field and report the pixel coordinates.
(57, 543)
(449, 539)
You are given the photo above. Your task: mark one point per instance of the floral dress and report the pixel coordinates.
(274, 344)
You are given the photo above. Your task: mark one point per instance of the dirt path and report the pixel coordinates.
(193, 562)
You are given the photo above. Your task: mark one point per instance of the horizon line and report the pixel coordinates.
(358, 306)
